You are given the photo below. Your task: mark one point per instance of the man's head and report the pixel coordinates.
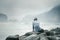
(35, 19)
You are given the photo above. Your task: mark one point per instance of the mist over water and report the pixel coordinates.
(10, 28)
(14, 28)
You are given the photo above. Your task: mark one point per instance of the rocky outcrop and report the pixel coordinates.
(34, 36)
(46, 35)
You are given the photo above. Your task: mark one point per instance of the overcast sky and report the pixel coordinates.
(17, 9)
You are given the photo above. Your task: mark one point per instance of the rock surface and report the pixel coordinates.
(54, 34)
(15, 37)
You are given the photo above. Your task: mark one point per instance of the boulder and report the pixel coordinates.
(15, 37)
(32, 37)
(29, 33)
(51, 37)
(22, 37)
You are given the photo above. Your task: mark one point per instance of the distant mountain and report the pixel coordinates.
(3, 17)
(51, 16)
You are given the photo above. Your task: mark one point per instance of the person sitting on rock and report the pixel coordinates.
(36, 27)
